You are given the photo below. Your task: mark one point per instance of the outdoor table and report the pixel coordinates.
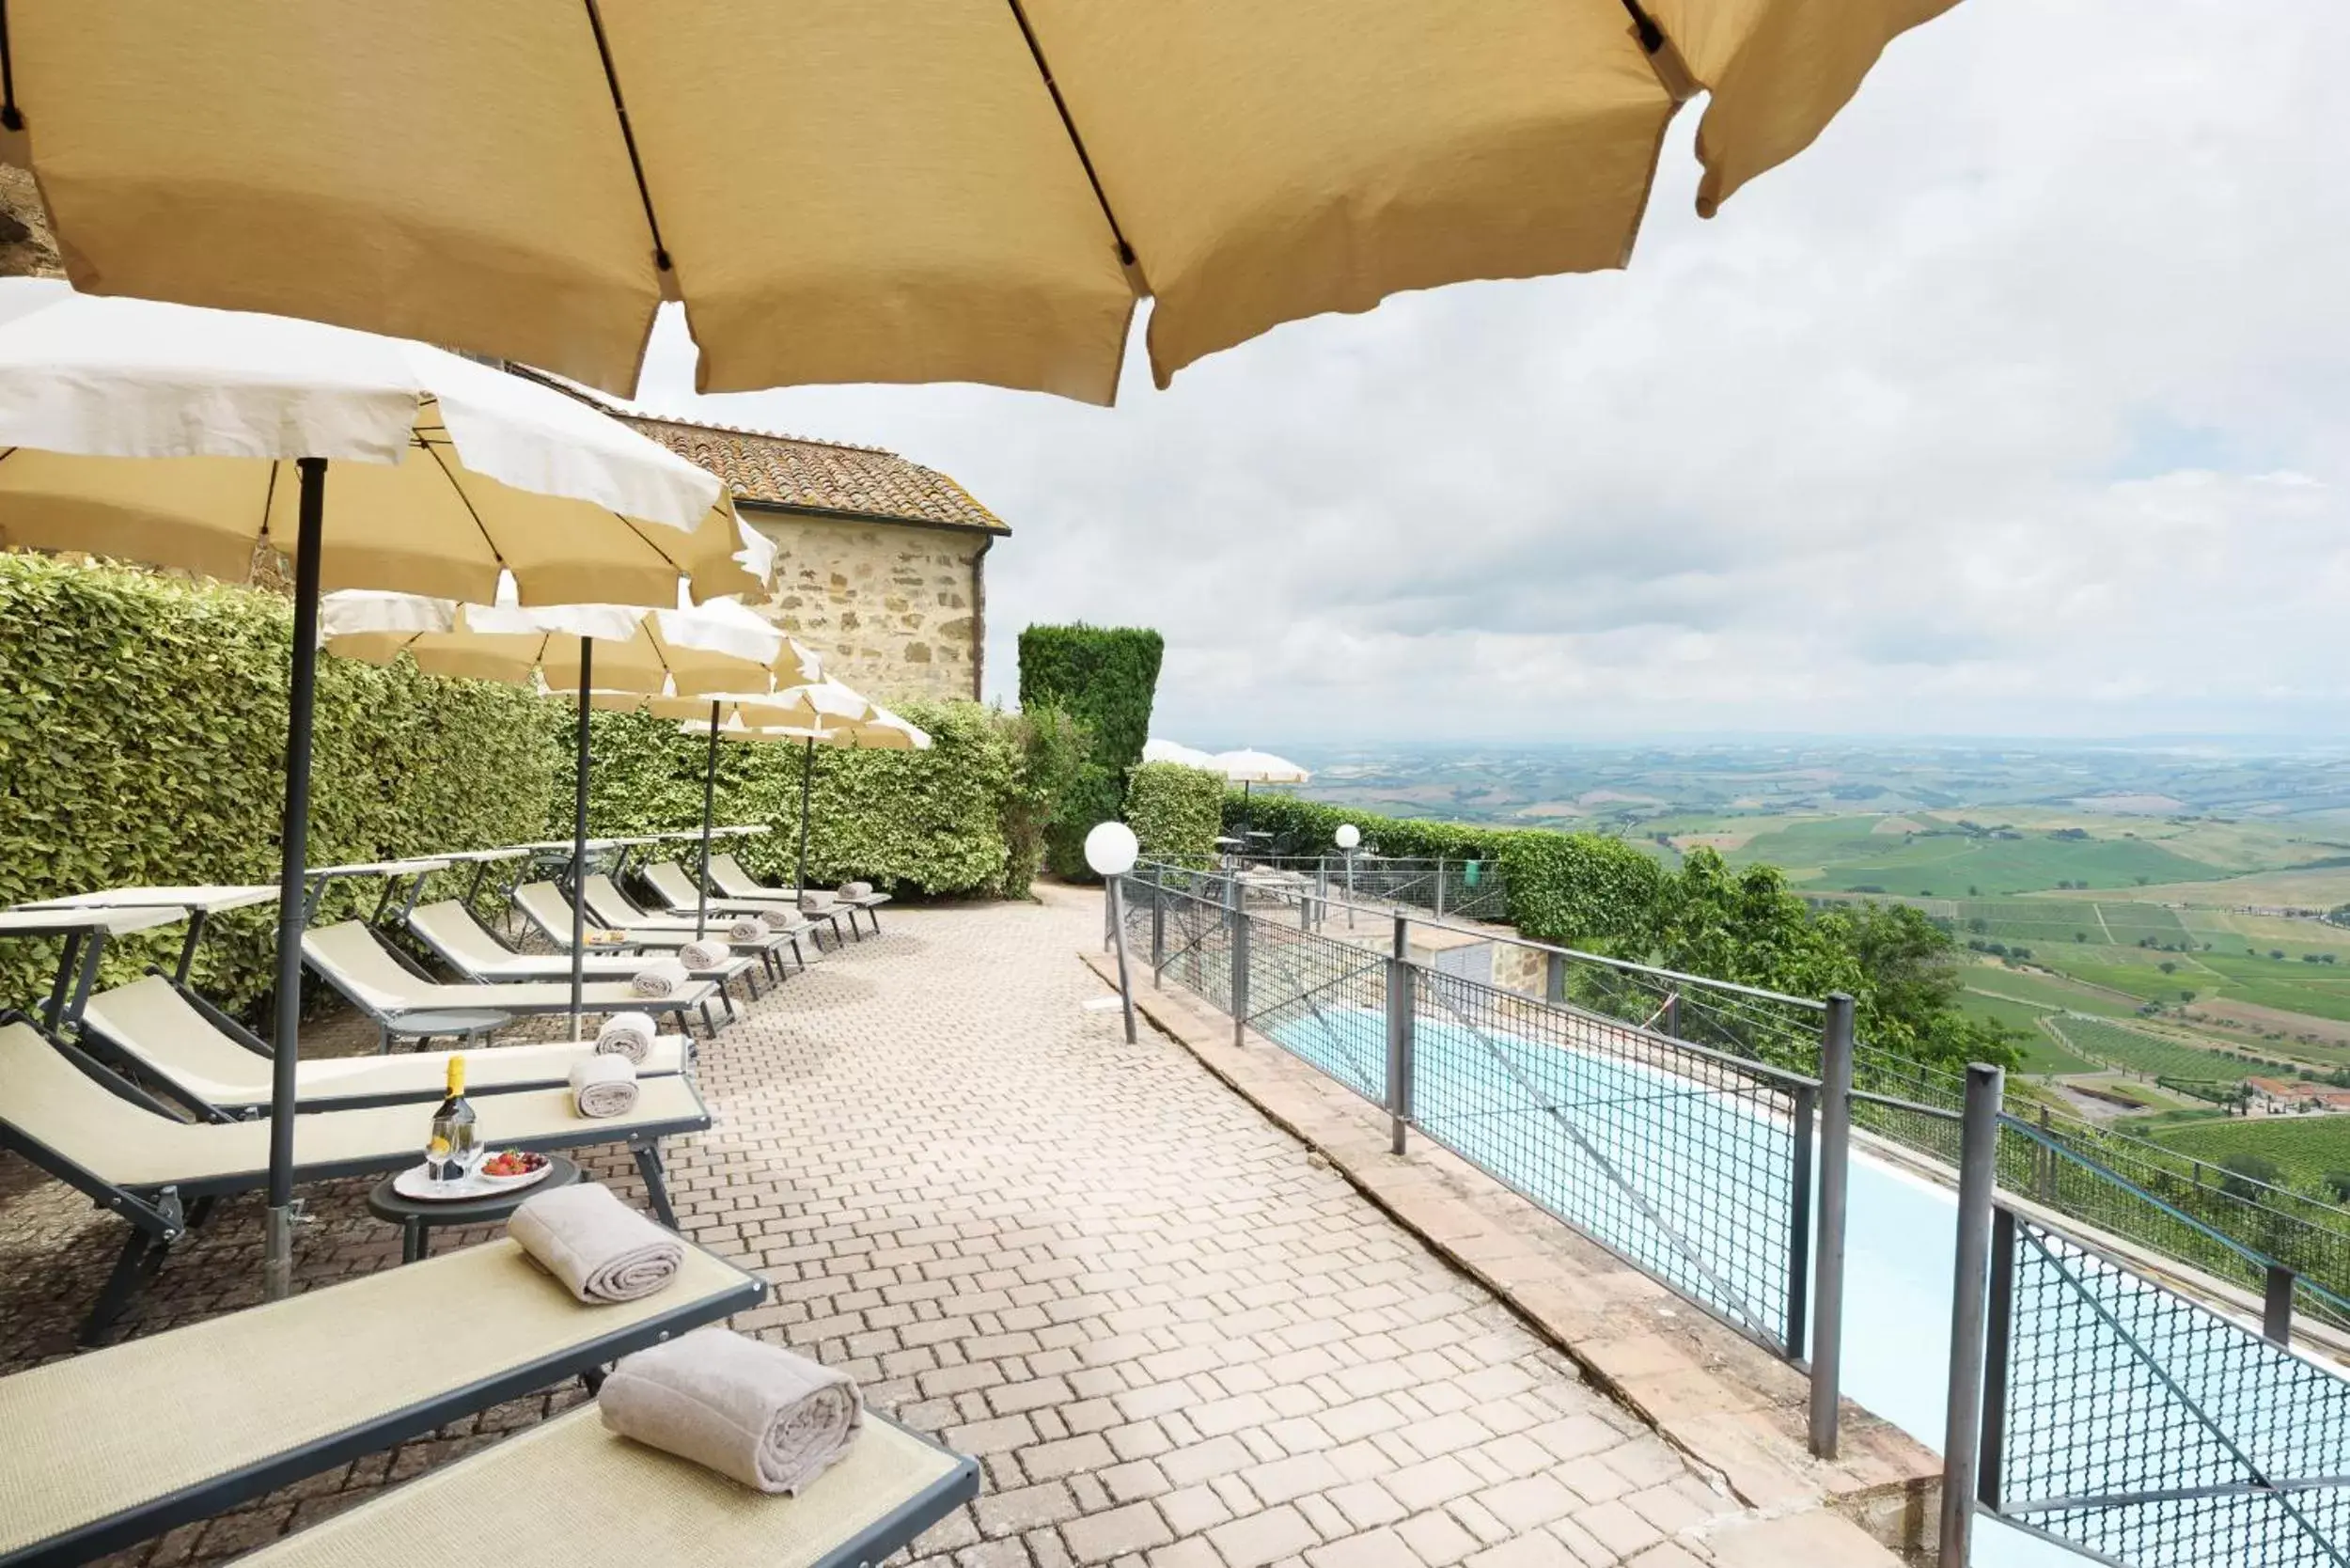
(466, 1024)
(416, 1216)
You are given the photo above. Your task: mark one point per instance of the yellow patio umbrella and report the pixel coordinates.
(886, 193)
(720, 646)
(193, 438)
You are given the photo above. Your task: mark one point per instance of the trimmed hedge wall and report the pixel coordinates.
(143, 740)
(1578, 889)
(1104, 677)
(1175, 812)
(931, 822)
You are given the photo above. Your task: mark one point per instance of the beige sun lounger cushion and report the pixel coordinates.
(569, 1492)
(735, 882)
(150, 1020)
(96, 1434)
(55, 1102)
(449, 926)
(672, 882)
(354, 962)
(544, 902)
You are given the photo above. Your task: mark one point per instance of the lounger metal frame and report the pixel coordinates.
(774, 942)
(734, 968)
(162, 1213)
(156, 1515)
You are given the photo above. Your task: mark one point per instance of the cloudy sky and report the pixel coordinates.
(2015, 406)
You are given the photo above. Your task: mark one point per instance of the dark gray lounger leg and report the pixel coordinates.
(656, 1190)
(130, 1272)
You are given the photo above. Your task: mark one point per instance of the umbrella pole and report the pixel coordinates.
(807, 776)
(709, 791)
(278, 1250)
(579, 838)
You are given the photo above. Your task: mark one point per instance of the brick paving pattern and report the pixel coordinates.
(1172, 1335)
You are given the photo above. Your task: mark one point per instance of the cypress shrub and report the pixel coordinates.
(1176, 812)
(1104, 677)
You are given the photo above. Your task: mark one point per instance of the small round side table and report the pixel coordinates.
(416, 1216)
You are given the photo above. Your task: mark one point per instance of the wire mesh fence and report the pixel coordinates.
(2129, 1421)
(1322, 1000)
(1693, 1165)
(1454, 888)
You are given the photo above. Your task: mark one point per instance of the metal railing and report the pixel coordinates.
(1446, 886)
(1693, 1164)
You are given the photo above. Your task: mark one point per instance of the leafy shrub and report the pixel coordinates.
(1175, 812)
(143, 740)
(1104, 677)
(1051, 747)
(930, 821)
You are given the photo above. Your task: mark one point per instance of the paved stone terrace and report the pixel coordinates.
(1174, 1336)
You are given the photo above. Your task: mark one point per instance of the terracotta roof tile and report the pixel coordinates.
(822, 476)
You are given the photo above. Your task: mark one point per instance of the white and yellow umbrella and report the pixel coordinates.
(191, 438)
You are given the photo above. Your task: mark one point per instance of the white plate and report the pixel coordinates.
(415, 1182)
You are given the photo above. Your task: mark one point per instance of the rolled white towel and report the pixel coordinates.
(749, 929)
(853, 890)
(745, 1409)
(814, 902)
(597, 1245)
(626, 1034)
(603, 1084)
(703, 953)
(662, 976)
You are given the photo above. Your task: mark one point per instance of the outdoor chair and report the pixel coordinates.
(465, 945)
(567, 1491)
(180, 1045)
(543, 905)
(603, 893)
(351, 959)
(729, 877)
(66, 1113)
(117, 1445)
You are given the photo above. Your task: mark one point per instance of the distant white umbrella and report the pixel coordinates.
(1176, 752)
(1258, 767)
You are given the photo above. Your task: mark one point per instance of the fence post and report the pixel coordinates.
(1158, 934)
(1554, 977)
(1804, 1115)
(1440, 887)
(1240, 975)
(1978, 1188)
(1672, 1014)
(1999, 1333)
(1835, 1175)
(2277, 1307)
(1402, 1002)
(2043, 1162)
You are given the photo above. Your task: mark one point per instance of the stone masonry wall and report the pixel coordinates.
(895, 611)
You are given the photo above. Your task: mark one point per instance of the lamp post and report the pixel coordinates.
(1348, 836)
(1111, 850)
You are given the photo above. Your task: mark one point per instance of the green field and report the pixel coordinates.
(2049, 993)
(2132, 1051)
(2308, 1147)
(1849, 852)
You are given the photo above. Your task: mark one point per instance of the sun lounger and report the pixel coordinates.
(604, 894)
(544, 905)
(85, 1126)
(728, 875)
(117, 1445)
(567, 1491)
(351, 958)
(176, 1044)
(466, 946)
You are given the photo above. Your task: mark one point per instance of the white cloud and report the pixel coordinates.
(2015, 405)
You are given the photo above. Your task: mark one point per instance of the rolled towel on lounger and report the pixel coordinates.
(814, 902)
(603, 1084)
(854, 890)
(627, 1034)
(746, 1409)
(662, 976)
(703, 953)
(749, 929)
(597, 1245)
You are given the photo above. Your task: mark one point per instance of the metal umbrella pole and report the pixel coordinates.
(710, 791)
(277, 1249)
(579, 838)
(807, 778)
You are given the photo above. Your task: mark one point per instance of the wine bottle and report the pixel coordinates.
(449, 1156)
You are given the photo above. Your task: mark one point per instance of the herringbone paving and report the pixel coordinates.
(1174, 1338)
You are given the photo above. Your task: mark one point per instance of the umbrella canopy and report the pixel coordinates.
(1258, 767)
(888, 193)
(457, 474)
(1181, 755)
(188, 438)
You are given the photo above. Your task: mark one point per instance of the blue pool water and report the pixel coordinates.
(1713, 1165)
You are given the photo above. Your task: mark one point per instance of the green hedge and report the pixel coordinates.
(929, 821)
(1580, 889)
(1175, 812)
(1104, 677)
(143, 740)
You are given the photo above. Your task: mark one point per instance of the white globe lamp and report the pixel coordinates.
(1112, 849)
(1349, 836)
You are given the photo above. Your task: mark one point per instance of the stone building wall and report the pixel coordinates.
(895, 610)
